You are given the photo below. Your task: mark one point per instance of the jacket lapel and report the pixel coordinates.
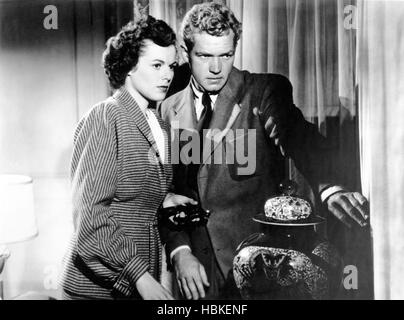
(216, 138)
(228, 97)
(129, 103)
(167, 142)
(227, 109)
(184, 111)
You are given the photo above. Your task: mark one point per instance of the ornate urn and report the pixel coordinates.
(288, 260)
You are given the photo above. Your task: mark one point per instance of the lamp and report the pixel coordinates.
(17, 218)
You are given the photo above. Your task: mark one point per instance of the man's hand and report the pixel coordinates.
(191, 275)
(150, 289)
(172, 200)
(276, 131)
(349, 207)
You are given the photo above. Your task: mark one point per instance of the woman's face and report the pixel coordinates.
(152, 75)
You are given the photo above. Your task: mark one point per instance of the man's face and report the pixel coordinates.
(211, 60)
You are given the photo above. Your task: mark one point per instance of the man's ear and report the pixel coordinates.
(185, 54)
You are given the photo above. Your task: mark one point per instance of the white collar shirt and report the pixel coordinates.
(155, 128)
(198, 100)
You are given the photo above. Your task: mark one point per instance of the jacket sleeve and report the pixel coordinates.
(303, 143)
(172, 239)
(101, 243)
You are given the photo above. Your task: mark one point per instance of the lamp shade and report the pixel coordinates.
(17, 218)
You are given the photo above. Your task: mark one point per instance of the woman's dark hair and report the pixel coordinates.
(123, 50)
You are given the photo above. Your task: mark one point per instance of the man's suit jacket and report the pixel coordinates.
(234, 196)
(118, 186)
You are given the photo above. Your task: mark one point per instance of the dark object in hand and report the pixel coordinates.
(183, 217)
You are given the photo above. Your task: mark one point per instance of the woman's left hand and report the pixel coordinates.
(172, 200)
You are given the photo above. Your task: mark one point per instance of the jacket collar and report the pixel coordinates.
(230, 95)
(126, 100)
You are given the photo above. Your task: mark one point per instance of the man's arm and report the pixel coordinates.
(190, 273)
(300, 140)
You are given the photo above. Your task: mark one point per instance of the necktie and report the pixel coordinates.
(203, 123)
(206, 114)
(205, 119)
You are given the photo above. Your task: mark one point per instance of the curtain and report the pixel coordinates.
(381, 110)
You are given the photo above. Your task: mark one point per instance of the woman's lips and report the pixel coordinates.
(163, 88)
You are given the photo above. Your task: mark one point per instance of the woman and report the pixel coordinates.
(119, 175)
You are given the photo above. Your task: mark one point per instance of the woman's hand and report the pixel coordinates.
(172, 200)
(150, 289)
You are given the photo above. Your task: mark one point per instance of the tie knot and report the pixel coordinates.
(206, 101)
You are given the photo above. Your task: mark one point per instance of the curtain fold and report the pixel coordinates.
(381, 111)
(299, 40)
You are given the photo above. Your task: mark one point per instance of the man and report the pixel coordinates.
(237, 106)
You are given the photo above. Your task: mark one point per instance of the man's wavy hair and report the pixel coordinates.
(123, 50)
(214, 18)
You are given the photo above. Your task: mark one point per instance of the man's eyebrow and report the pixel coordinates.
(228, 53)
(201, 53)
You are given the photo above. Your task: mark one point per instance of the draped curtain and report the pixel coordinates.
(381, 111)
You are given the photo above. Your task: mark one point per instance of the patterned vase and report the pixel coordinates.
(288, 260)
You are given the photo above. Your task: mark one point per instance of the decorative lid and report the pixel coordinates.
(288, 209)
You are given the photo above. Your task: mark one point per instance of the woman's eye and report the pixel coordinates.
(157, 66)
